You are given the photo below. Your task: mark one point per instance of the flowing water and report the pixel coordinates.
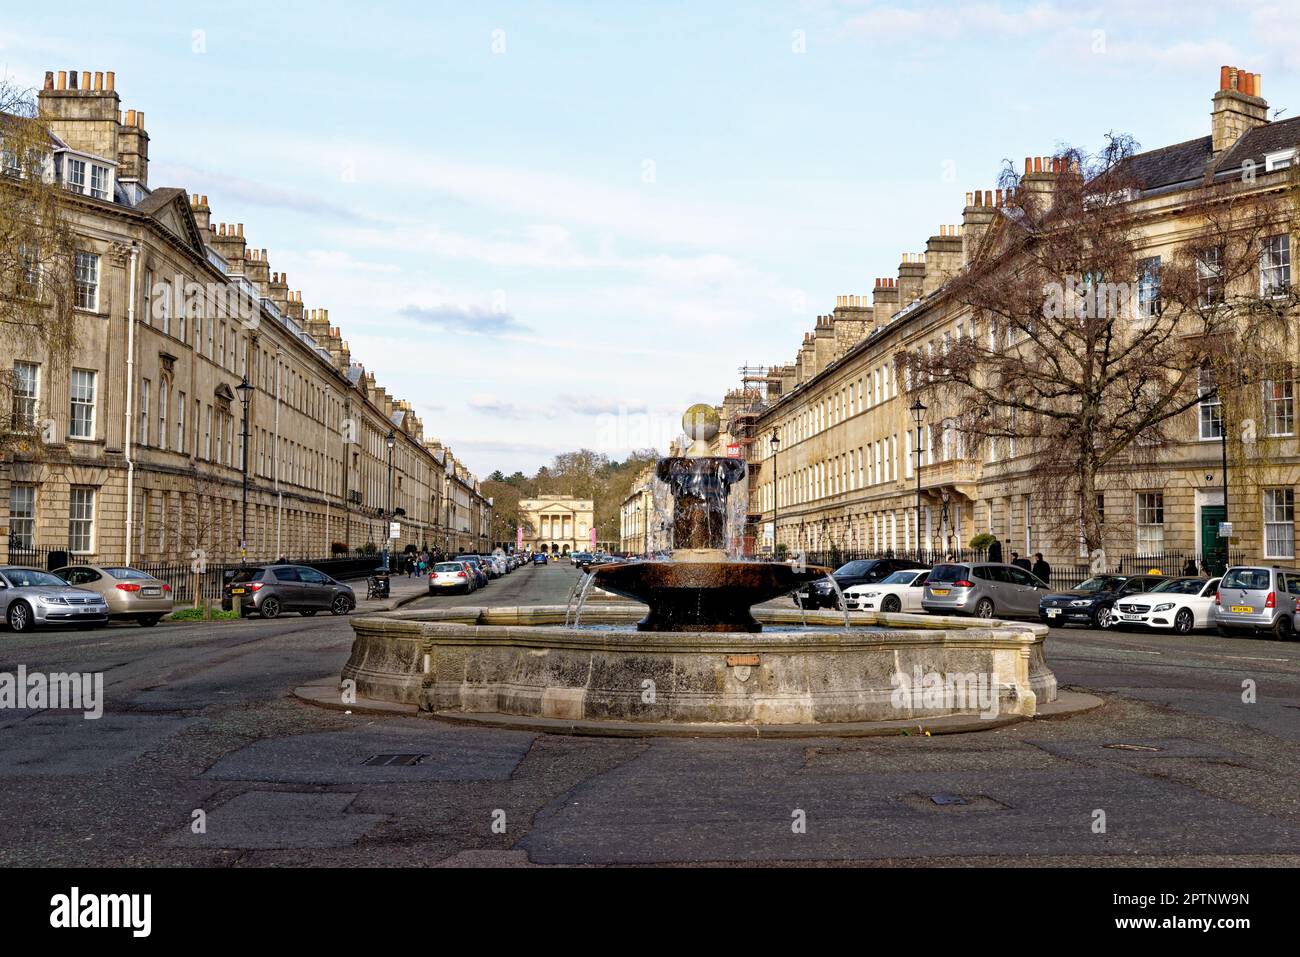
(588, 581)
(573, 594)
(839, 593)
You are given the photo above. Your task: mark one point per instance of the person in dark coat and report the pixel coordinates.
(1190, 568)
(1020, 562)
(995, 550)
(1041, 570)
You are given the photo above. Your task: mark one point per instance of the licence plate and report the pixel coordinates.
(239, 591)
(1243, 609)
(1053, 612)
(150, 592)
(941, 592)
(1131, 617)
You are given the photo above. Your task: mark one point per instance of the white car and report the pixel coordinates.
(900, 591)
(1182, 604)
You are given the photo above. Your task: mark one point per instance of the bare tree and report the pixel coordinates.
(37, 266)
(1078, 352)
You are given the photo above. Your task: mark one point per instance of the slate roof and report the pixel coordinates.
(1190, 161)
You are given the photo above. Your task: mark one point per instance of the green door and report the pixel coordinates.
(1214, 550)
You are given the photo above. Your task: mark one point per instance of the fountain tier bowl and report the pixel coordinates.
(523, 662)
(702, 596)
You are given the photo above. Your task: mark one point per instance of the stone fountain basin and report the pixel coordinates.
(525, 662)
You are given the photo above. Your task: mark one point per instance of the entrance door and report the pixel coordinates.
(1214, 550)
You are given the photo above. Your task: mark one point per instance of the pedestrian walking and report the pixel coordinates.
(1190, 568)
(1041, 570)
(1020, 562)
(995, 550)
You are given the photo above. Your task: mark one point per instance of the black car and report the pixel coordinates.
(271, 589)
(866, 571)
(1093, 602)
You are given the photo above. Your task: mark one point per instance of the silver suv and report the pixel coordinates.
(1257, 598)
(983, 589)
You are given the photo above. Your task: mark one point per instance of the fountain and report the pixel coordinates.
(701, 589)
(696, 651)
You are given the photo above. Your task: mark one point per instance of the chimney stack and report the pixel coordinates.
(1238, 107)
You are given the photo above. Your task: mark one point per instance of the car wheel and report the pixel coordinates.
(341, 605)
(1103, 618)
(984, 608)
(891, 604)
(20, 617)
(148, 621)
(1184, 622)
(308, 612)
(1282, 629)
(270, 607)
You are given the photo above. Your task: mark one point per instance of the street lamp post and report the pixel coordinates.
(245, 393)
(918, 413)
(388, 538)
(776, 447)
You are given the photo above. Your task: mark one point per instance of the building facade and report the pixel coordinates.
(637, 519)
(186, 342)
(852, 469)
(557, 524)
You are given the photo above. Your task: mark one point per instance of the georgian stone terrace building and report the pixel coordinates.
(844, 473)
(182, 326)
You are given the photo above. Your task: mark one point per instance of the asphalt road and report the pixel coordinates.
(198, 719)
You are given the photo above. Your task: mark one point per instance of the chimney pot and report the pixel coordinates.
(139, 119)
(1029, 165)
(239, 230)
(1038, 164)
(988, 197)
(969, 200)
(203, 201)
(110, 81)
(1225, 76)
(99, 81)
(130, 117)
(49, 79)
(72, 79)
(999, 197)
(1258, 85)
(85, 79)
(63, 80)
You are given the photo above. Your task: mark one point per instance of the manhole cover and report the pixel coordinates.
(1132, 747)
(393, 760)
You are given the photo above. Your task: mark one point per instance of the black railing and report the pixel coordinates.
(197, 577)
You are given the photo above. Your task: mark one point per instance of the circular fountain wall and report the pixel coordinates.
(524, 662)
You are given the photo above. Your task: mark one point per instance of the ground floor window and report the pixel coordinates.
(22, 516)
(1279, 523)
(1151, 523)
(81, 520)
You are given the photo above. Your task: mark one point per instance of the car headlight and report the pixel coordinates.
(1081, 603)
(1165, 607)
(51, 600)
(871, 594)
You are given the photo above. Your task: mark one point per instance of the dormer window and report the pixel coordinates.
(75, 176)
(99, 183)
(1279, 160)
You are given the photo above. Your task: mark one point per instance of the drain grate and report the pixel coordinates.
(1132, 747)
(393, 760)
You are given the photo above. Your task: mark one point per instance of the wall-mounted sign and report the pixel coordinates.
(733, 451)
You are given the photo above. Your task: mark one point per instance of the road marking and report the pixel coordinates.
(1247, 658)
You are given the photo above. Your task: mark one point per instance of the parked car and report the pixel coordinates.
(480, 568)
(900, 591)
(452, 577)
(272, 589)
(867, 571)
(1093, 601)
(579, 558)
(982, 589)
(1254, 598)
(539, 558)
(1181, 604)
(30, 597)
(131, 595)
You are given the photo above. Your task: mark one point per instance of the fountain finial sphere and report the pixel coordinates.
(701, 422)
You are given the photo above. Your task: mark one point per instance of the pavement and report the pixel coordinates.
(1193, 759)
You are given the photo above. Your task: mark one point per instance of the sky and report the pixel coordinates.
(555, 225)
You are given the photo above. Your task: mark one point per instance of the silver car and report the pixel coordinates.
(1255, 598)
(30, 597)
(982, 589)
